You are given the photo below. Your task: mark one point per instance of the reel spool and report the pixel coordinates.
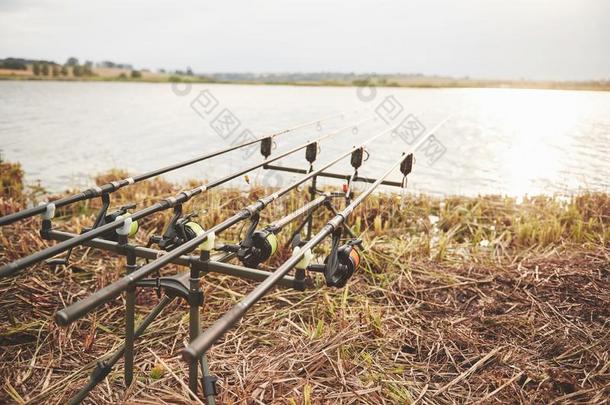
(263, 245)
(192, 229)
(178, 232)
(340, 264)
(348, 260)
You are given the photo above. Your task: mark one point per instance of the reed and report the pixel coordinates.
(461, 299)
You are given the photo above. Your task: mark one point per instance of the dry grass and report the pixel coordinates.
(461, 300)
(15, 72)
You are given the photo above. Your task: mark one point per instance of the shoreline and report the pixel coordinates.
(441, 84)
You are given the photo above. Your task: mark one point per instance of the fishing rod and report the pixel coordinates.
(126, 222)
(118, 184)
(111, 291)
(205, 340)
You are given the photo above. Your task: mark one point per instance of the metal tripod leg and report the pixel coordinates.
(193, 333)
(103, 367)
(130, 309)
(195, 301)
(209, 382)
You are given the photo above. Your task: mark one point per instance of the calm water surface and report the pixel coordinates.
(503, 141)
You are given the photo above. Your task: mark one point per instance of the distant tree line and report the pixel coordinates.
(188, 72)
(110, 64)
(72, 67)
(43, 68)
(14, 64)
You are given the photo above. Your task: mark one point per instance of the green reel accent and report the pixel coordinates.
(263, 246)
(196, 229)
(133, 229)
(272, 239)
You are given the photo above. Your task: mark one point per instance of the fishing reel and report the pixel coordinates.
(340, 264)
(256, 247)
(179, 231)
(261, 246)
(104, 218)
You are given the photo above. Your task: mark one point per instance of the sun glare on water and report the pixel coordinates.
(539, 125)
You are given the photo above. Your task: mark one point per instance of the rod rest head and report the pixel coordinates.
(113, 216)
(174, 286)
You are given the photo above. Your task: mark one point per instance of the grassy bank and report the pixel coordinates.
(405, 83)
(144, 79)
(459, 300)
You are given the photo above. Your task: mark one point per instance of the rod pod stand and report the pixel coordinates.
(195, 301)
(172, 290)
(104, 367)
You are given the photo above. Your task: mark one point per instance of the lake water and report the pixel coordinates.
(503, 141)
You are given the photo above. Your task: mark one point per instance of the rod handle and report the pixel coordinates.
(8, 269)
(16, 216)
(20, 264)
(80, 308)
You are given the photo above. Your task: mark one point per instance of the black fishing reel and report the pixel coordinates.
(261, 246)
(256, 247)
(105, 218)
(179, 231)
(340, 264)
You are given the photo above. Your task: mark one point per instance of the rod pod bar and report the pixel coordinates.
(118, 184)
(180, 198)
(305, 210)
(111, 291)
(205, 340)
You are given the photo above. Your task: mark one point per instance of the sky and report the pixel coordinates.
(492, 39)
